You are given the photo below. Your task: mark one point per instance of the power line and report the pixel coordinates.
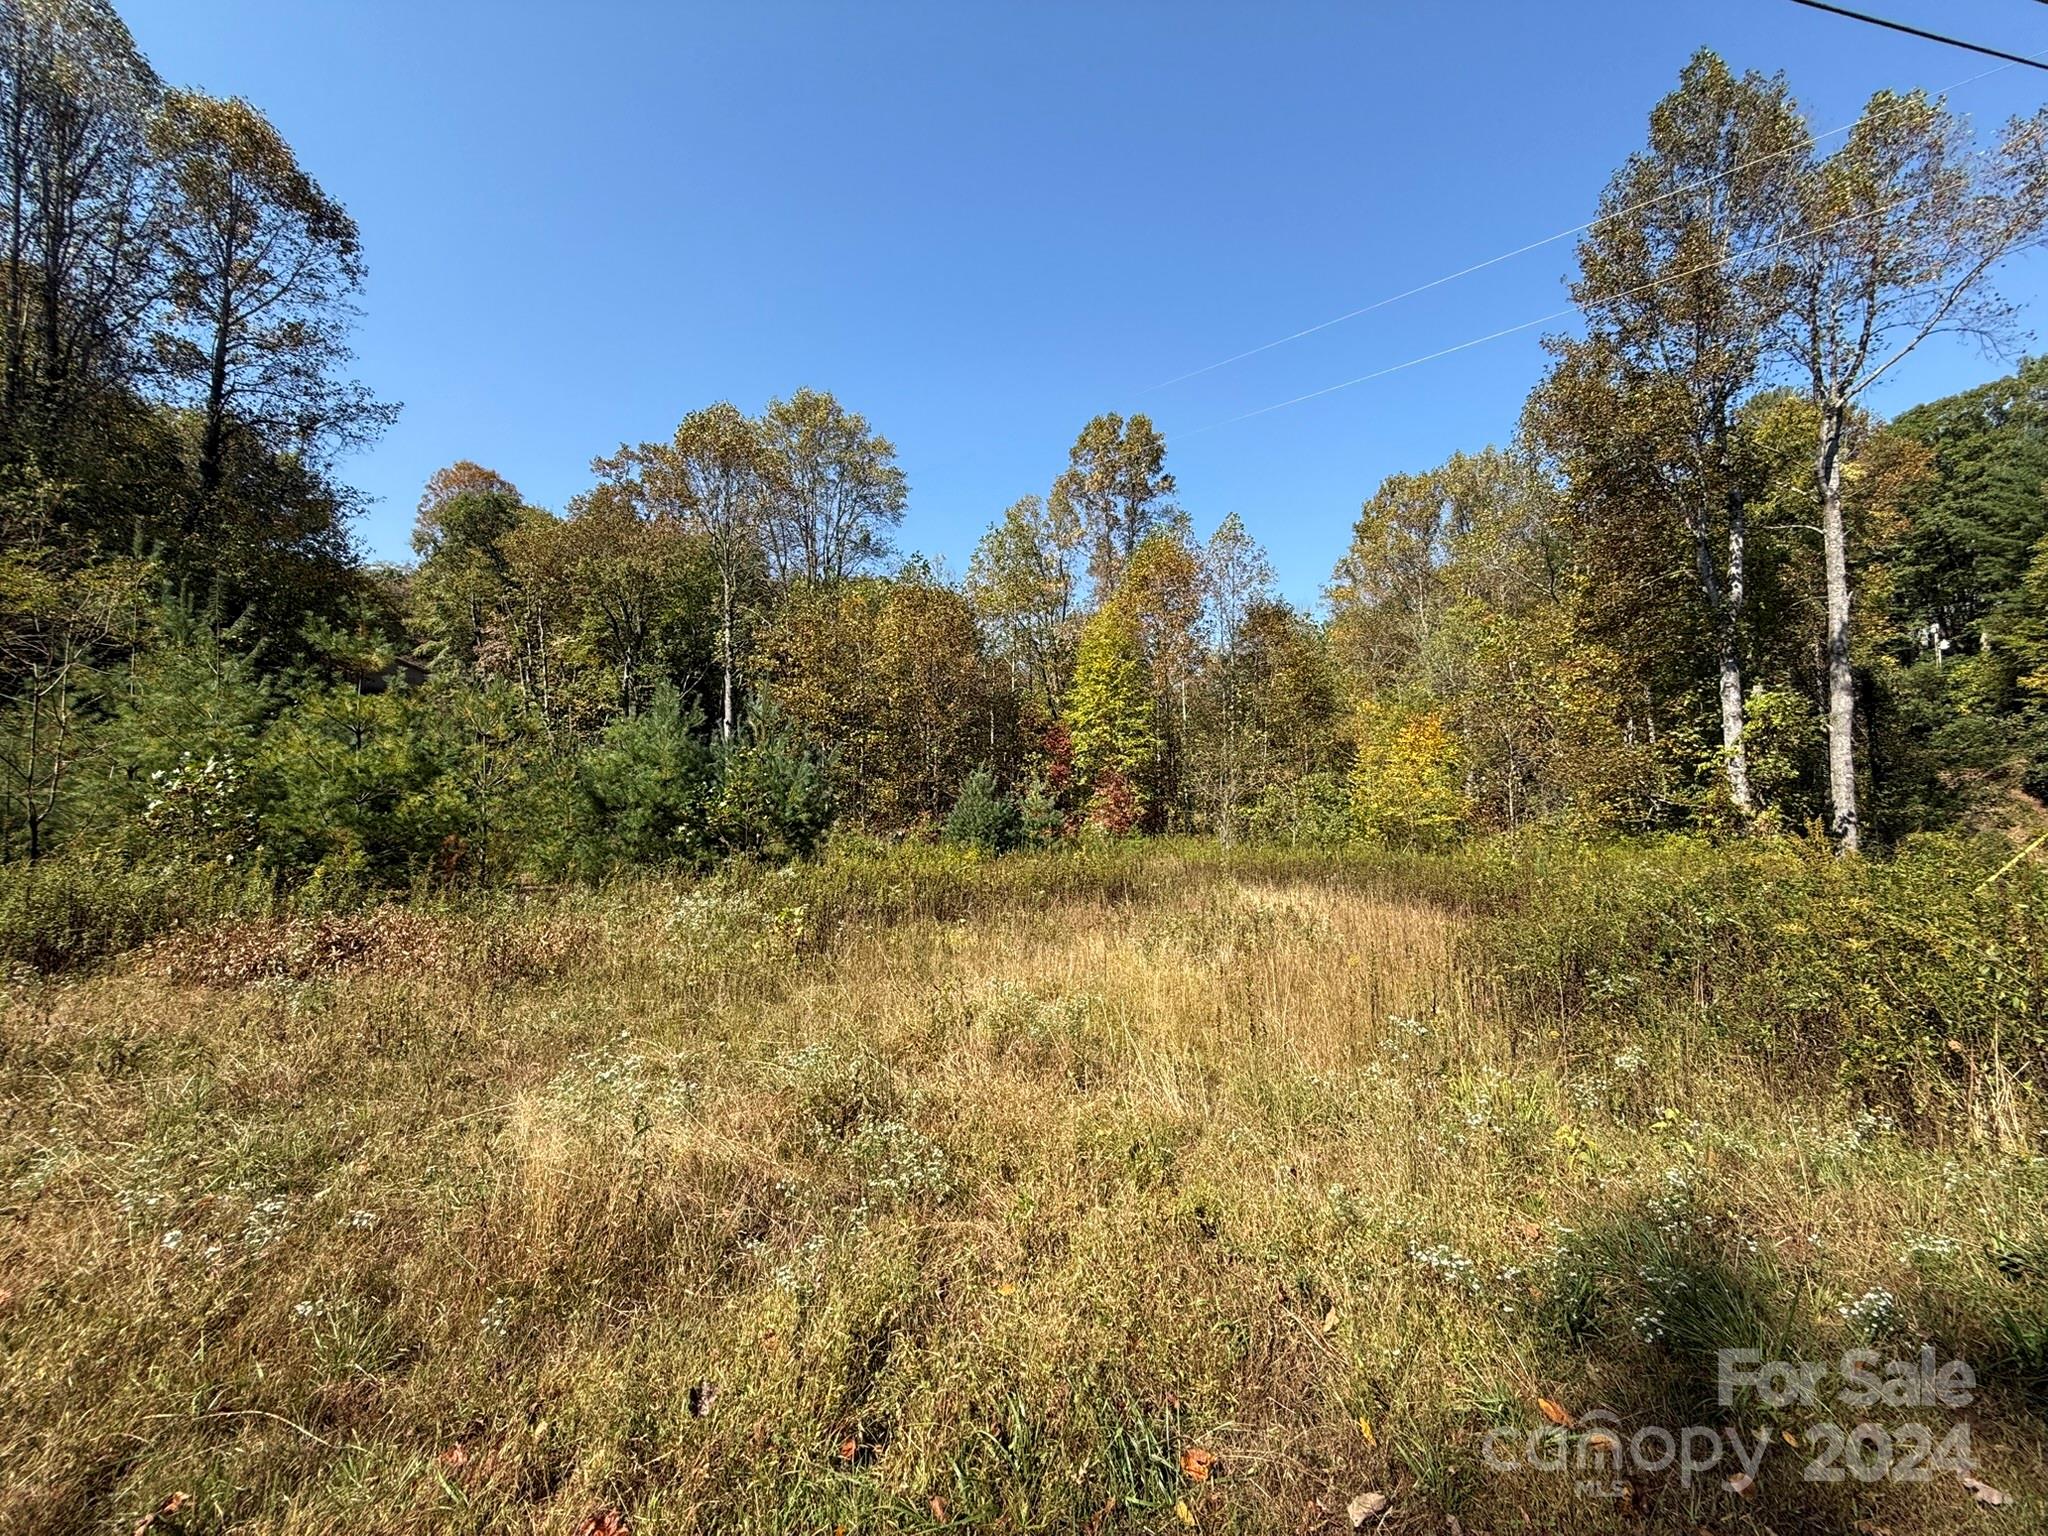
(1526, 325)
(1932, 37)
(1536, 245)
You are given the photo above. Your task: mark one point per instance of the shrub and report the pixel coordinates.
(1115, 808)
(1313, 811)
(69, 911)
(362, 787)
(1041, 822)
(774, 800)
(1902, 975)
(654, 791)
(644, 790)
(983, 817)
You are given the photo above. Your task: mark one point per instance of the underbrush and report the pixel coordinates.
(1140, 1189)
(1913, 978)
(62, 913)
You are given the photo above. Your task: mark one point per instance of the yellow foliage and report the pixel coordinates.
(1407, 784)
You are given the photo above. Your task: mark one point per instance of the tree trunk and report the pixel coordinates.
(725, 648)
(212, 442)
(1841, 680)
(1722, 605)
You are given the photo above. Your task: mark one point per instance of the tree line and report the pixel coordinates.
(1703, 585)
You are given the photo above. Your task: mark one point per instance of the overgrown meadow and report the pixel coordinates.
(1142, 1187)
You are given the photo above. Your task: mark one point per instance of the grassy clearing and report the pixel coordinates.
(912, 1191)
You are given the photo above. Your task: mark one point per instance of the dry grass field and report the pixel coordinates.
(1220, 1193)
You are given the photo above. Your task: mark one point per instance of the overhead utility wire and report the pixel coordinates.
(1534, 245)
(1921, 32)
(1558, 314)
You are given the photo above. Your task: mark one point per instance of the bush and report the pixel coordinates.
(774, 799)
(1041, 822)
(363, 788)
(654, 792)
(1895, 974)
(983, 817)
(1313, 811)
(644, 790)
(69, 911)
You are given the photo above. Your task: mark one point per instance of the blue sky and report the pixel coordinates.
(980, 223)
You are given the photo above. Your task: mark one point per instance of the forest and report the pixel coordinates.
(1702, 586)
(672, 1013)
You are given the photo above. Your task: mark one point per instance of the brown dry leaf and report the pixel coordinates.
(1554, 1413)
(604, 1522)
(1330, 1321)
(1739, 1484)
(455, 1458)
(170, 1506)
(1600, 1440)
(1982, 1491)
(849, 1448)
(1530, 1230)
(1102, 1514)
(1367, 1507)
(1196, 1464)
(939, 1510)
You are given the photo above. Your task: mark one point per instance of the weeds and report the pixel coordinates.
(889, 1193)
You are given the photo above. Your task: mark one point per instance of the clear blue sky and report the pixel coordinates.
(980, 223)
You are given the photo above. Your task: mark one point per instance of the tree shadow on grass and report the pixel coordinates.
(1668, 1326)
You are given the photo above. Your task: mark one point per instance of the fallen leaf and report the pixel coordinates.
(1196, 1464)
(1007, 1288)
(1790, 1438)
(170, 1506)
(604, 1522)
(1365, 1429)
(1982, 1491)
(1185, 1515)
(1553, 1412)
(939, 1510)
(1367, 1506)
(1739, 1484)
(455, 1458)
(1330, 1321)
(1600, 1440)
(1531, 1231)
(849, 1448)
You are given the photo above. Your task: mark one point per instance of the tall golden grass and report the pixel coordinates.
(794, 1205)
